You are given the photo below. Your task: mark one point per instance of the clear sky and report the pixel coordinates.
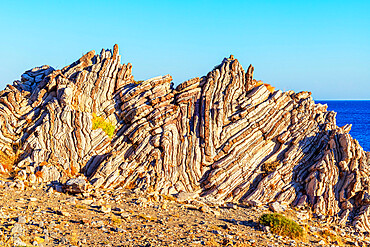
(319, 46)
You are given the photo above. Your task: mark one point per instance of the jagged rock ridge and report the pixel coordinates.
(221, 136)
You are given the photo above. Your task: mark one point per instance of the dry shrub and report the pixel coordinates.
(10, 157)
(326, 234)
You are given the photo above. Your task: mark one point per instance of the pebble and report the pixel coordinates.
(87, 201)
(231, 205)
(251, 240)
(18, 242)
(21, 220)
(32, 199)
(322, 242)
(205, 209)
(71, 200)
(105, 209)
(17, 229)
(64, 213)
(216, 212)
(63, 240)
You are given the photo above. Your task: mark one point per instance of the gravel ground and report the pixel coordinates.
(43, 217)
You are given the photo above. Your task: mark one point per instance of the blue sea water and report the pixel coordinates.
(355, 112)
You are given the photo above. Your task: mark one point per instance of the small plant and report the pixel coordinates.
(138, 82)
(281, 225)
(106, 126)
(270, 167)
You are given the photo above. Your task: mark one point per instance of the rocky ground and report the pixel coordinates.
(42, 216)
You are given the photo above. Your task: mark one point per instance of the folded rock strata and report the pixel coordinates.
(221, 136)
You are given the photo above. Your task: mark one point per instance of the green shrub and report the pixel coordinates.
(281, 225)
(106, 126)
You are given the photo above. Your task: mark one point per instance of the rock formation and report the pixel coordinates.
(223, 137)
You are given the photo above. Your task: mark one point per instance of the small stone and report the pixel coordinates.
(87, 201)
(105, 209)
(64, 213)
(75, 185)
(41, 224)
(205, 209)
(117, 229)
(277, 207)
(18, 242)
(21, 220)
(251, 241)
(185, 196)
(216, 212)
(32, 178)
(125, 214)
(322, 242)
(266, 228)
(32, 199)
(22, 175)
(231, 205)
(119, 210)
(20, 185)
(17, 229)
(71, 200)
(63, 240)
(142, 200)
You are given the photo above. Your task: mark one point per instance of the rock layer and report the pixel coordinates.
(223, 137)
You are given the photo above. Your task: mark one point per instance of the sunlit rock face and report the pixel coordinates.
(224, 137)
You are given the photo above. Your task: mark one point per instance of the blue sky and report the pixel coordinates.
(318, 46)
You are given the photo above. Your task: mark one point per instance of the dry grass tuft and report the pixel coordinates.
(328, 235)
(9, 158)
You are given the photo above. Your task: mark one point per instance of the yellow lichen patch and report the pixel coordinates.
(105, 125)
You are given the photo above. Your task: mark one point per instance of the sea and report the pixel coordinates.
(355, 112)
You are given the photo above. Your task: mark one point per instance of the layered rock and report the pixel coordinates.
(223, 137)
